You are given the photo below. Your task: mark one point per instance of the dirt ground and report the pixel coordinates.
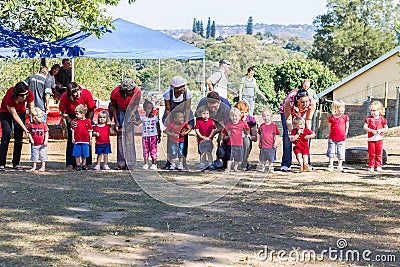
(104, 218)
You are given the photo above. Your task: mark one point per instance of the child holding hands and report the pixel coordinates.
(102, 132)
(81, 137)
(299, 137)
(205, 129)
(375, 125)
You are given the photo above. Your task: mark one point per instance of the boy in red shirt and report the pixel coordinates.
(299, 137)
(235, 129)
(81, 137)
(205, 128)
(268, 133)
(176, 131)
(39, 137)
(338, 128)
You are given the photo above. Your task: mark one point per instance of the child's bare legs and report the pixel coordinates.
(203, 157)
(33, 167)
(43, 168)
(98, 160)
(305, 162)
(228, 165)
(262, 165)
(270, 166)
(299, 158)
(209, 157)
(78, 161)
(83, 161)
(236, 165)
(340, 163)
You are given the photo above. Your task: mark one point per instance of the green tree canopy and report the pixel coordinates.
(354, 32)
(53, 19)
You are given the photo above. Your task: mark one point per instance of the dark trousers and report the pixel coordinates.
(7, 122)
(287, 145)
(69, 159)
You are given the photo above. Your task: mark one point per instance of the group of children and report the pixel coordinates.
(235, 130)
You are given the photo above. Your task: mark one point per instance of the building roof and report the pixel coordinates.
(360, 71)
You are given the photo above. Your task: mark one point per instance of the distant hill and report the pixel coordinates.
(303, 31)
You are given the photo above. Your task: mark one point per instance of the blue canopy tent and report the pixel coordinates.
(20, 45)
(130, 41)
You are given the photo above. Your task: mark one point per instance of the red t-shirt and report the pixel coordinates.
(338, 127)
(8, 100)
(124, 102)
(68, 106)
(205, 127)
(268, 134)
(81, 131)
(104, 137)
(235, 132)
(38, 132)
(177, 129)
(301, 142)
(375, 124)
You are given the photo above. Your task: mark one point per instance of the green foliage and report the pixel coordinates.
(53, 19)
(354, 32)
(299, 45)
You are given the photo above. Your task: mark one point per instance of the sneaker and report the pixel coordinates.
(85, 168)
(340, 169)
(212, 167)
(285, 168)
(172, 167)
(379, 169)
(105, 167)
(218, 164)
(153, 167)
(261, 169)
(371, 169)
(202, 166)
(78, 168)
(310, 167)
(271, 169)
(330, 168)
(180, 166)
(145, 167)
(97, 167)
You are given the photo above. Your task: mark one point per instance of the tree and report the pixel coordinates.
(194, 27)
(249, 29)
(208, 30)
(213, 30)
(201, 29)
(354, 32)
(53, 19)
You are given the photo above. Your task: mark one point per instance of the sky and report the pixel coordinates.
(179, 14)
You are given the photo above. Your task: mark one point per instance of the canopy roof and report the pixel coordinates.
(20, 45)
(130, 40)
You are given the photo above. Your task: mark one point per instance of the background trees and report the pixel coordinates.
(354, 32)
(249, 28)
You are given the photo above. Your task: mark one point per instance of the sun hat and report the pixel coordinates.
(178, 81)
(128, 84)
(223, 61)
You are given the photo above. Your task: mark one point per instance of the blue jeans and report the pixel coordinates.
(287, 145)
(176, 149)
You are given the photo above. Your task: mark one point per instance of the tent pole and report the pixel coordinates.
(159, 74)
(73, 70)
(203, 83)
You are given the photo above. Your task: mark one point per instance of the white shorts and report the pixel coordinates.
(38, 153)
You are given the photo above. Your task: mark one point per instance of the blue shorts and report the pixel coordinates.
(103, 149)
(176, 149)
(81, 150)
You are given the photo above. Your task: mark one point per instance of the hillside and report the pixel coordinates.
(302, 31)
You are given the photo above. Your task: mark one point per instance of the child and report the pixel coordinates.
(151, 135)
(81, 137)
(234, 130)
(39, 137)
(375, 125)
(102, 133)
(205, 129)
(268, 134)
(338, 128)
(176, 131)
(299, 137)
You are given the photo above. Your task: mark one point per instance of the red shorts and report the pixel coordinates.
(301, 150)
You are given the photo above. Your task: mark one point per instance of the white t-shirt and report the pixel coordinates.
(149, 125)
(189, 95)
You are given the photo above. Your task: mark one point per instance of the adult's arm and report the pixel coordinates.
(310, 114)
(16, 118)
(188, 103)
(288, 115)
(167, 104)
(210, 85)
(113, 106)
(241, 86)
(258, 91)
(253, 133)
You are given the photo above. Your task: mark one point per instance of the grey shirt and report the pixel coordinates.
(39, 86)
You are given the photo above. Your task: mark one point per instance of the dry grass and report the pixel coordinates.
(106, 219)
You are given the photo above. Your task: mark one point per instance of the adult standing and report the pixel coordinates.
(248, 88)
(219, 111)
(13, 114)
(124, 98)
(63, 77)
(218, 82)
(40, 87)
(74, 96)
(178, 98)
(298, 103)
